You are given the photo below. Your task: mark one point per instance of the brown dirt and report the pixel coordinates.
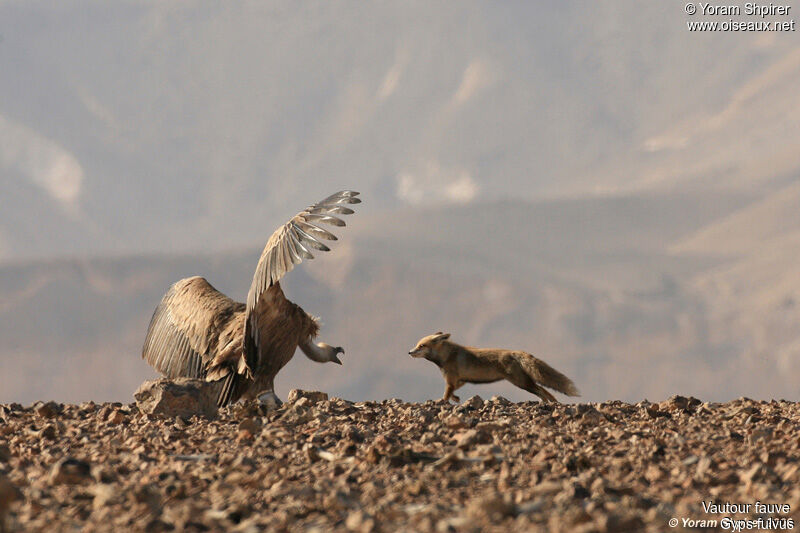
(317, 464)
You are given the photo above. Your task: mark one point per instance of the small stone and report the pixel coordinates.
(250, 424)
(302, 402)
(5, 453)
(492, 426)
(492, 506)
(9, 494)
(359, 521)
(335, 501)
(350, 449)
(352, 434)
(760, 434)
(466, 439)
(104, 474)
(103, 493)
(70, 471)
(244, 435)
(156, 525)
(756, 471)
(702, 467)
(147, 494)
(451, 457)
(312, 396)
(653, 473)
(415, 488)
(677, 402)
(454, 422)
(476, 402)
(735, 435)
(104, 412)
(312, 452)
(48, 432)
(653, 412)
(116, 417)
(372, 455)
(451, 524)
(620, 523)
(247, 408)
(530, 507)
(384, 441)
(577, 491)
(47, 409)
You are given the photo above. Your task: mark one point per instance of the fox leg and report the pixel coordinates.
(524, 381)
(542, 393)
(448, 391)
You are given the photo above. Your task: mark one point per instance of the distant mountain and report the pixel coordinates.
(625, 320)
(768, 221)
(755, 287)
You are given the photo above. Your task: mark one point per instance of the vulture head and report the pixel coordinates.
(322, 352)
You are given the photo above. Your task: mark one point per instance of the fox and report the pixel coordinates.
(465, 364)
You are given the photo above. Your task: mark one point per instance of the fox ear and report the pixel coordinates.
(439, 336)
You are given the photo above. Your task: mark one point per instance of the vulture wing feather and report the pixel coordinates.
(287, 247)
(186, 326)
(273, 264)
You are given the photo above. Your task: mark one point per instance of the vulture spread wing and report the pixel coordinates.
(194, 331)
(287, 247)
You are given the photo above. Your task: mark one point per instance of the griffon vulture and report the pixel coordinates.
(196, 331)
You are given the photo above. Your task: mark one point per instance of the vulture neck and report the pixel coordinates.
(321, 353)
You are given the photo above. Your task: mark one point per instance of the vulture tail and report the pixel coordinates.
(229, 386)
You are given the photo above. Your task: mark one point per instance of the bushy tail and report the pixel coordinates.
(546, 375)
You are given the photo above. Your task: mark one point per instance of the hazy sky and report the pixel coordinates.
(145, 126)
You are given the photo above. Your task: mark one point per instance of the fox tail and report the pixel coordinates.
(545, 374)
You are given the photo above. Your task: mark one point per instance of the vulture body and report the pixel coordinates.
(196, 331)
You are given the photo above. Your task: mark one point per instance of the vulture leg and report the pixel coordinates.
(270, 399)
(263, 389)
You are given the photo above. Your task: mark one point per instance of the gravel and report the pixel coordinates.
(321, 464)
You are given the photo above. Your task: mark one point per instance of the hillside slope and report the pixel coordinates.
(574, 282)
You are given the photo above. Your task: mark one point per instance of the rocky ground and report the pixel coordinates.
(329, 464)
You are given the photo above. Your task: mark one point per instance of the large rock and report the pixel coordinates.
(177, 397)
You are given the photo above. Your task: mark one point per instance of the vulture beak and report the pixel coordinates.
(336, 352)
